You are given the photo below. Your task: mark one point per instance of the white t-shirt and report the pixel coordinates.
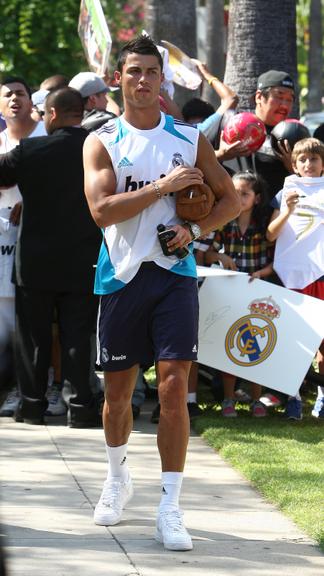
(299, 252)
(8, 233)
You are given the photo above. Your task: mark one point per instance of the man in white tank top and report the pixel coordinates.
(15, 107)
(149, 312)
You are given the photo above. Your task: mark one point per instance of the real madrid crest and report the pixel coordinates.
(252, 338)
(177, 160)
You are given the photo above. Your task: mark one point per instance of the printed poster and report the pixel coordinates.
(258, 331)
(94, 35)
(184, 70)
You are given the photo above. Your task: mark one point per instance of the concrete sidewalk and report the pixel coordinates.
(51, 480)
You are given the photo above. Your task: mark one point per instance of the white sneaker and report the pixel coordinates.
(56, 404)
(113, 499)
(171, 532)
(10, 404)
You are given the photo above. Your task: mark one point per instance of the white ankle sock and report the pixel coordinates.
(192, 397)
(171, 487)
(117, 462)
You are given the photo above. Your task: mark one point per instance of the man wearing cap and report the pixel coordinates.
(274, 99)
(38, 100)
(96, 100)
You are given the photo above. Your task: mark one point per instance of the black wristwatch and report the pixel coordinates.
(194, 230)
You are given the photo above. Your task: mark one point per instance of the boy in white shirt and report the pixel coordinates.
(297, 225)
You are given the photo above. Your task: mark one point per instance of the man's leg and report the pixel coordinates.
(76, 319)
(138, 397)
(34, 314)
(117, 412)
(173, 430)
(117, 420)
(173, 435)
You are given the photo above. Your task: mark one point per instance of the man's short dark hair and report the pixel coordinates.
(140, 45)
(197, 108)
(54, 82)
(14, 80)
(67, 101)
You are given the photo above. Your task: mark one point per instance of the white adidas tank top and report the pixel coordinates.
(138, 157)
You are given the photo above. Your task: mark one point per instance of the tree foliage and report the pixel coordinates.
(305, 54)
(125, 20)
(39, 38)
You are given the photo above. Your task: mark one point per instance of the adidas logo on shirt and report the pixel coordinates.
(124, 162)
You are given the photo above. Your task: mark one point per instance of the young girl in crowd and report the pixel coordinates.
(242, 245)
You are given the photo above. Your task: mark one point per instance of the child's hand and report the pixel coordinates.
(227, 261)
(254, 275)
(292, 199)
(263, 273)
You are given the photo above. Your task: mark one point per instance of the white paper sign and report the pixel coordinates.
(94, 35)
(258, 331)
(184, 70)
(203, 271)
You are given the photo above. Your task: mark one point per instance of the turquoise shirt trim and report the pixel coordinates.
(105, 281)
(187, 266)
(122, 132)
(170, 127)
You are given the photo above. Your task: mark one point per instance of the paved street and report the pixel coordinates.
(52, 477)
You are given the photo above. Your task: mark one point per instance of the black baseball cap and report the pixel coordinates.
(274, 78)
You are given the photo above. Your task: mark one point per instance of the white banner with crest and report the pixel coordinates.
(257, 330)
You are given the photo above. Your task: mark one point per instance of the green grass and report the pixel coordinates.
(283, 460)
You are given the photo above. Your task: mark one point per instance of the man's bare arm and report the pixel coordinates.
(105, 205)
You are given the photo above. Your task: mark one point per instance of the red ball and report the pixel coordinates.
(247, 128)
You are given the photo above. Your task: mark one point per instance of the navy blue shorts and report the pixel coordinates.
(155, 317)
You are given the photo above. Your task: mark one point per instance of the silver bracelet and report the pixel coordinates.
(157, 189)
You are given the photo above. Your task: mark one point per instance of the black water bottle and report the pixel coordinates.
(164, 236)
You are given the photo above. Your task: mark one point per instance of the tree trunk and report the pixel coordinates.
(315, 58)
(174, 21)
(215, 46)
(261, 37)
